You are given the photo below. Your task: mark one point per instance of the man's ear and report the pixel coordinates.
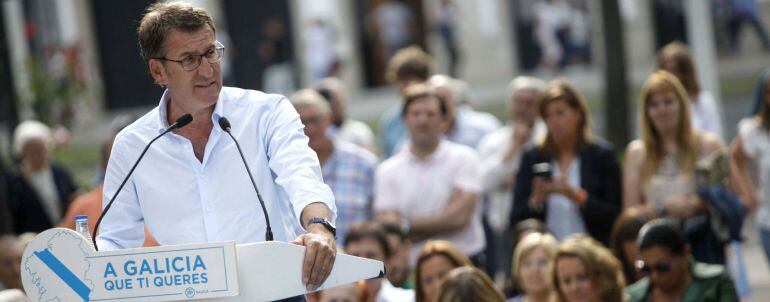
(158, 72)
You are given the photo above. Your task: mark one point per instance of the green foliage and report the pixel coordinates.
(82, 161)
(53, 92)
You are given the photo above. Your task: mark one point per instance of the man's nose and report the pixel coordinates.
(206, 69)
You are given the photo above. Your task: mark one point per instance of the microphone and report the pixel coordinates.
(179, 123)
(225, 125)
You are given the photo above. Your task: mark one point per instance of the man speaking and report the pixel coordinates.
(192, 186)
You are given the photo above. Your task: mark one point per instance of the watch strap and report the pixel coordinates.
(325, 222)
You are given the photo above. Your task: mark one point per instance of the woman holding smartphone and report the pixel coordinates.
(570, 180)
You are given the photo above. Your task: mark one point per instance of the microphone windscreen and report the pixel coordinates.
(224, 123)
(183, 120)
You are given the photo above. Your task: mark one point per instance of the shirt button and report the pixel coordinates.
(208, 209)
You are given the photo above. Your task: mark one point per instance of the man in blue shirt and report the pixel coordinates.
(347, 169)
(192, 187)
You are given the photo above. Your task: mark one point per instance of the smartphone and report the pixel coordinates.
(542, 170)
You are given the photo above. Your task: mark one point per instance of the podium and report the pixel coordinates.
(61, 265)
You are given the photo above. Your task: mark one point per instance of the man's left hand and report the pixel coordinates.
(320, 252)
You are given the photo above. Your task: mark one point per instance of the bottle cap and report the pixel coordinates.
(81, 217)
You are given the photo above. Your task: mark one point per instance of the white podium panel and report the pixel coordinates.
(60, 265)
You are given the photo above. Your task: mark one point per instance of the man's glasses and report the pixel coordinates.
(311, 120)
(191, 62)
(661, 267)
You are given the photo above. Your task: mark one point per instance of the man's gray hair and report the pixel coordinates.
(525, 83)
(28, 131)
(336, 87)
(310, 98)
(459, 89)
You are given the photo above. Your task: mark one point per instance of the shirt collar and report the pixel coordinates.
(437, 155)
(335, 155)
(163, 110)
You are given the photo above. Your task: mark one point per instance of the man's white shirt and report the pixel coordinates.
(183, 200)
(417, 188)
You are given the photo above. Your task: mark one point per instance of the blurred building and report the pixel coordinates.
(74, 60)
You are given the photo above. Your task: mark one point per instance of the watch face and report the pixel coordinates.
(328, 225)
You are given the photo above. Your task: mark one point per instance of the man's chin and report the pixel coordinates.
(211, 98)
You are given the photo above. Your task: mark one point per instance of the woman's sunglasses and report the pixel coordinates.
(647, 268)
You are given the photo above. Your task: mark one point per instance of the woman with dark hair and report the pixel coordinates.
(752, 145)
(623, 238)
(468, 284)
(704, 114)
(436, 259)
(671, 273)
(570, 180)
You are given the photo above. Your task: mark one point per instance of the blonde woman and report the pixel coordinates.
(584, 270)
(660, 166)
(530, 267)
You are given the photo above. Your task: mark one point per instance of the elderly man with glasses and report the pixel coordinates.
(192, 186)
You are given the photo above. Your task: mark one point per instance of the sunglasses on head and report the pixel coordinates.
(660, 266)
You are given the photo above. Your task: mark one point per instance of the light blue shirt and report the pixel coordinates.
(563, 216)
(471, 126)
(183, 200)
(393, 132)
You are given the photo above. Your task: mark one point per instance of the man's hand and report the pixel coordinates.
(320, 252)
(521, 133)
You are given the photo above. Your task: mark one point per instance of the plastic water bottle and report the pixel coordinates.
(81, 226)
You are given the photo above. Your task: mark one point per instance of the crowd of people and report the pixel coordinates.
(462, 207)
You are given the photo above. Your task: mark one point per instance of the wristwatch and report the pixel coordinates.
(323, 221)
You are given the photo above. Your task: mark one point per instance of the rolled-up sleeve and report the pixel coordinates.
(494, 171)
(296, 166)
(123, 226)
(468, 177)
